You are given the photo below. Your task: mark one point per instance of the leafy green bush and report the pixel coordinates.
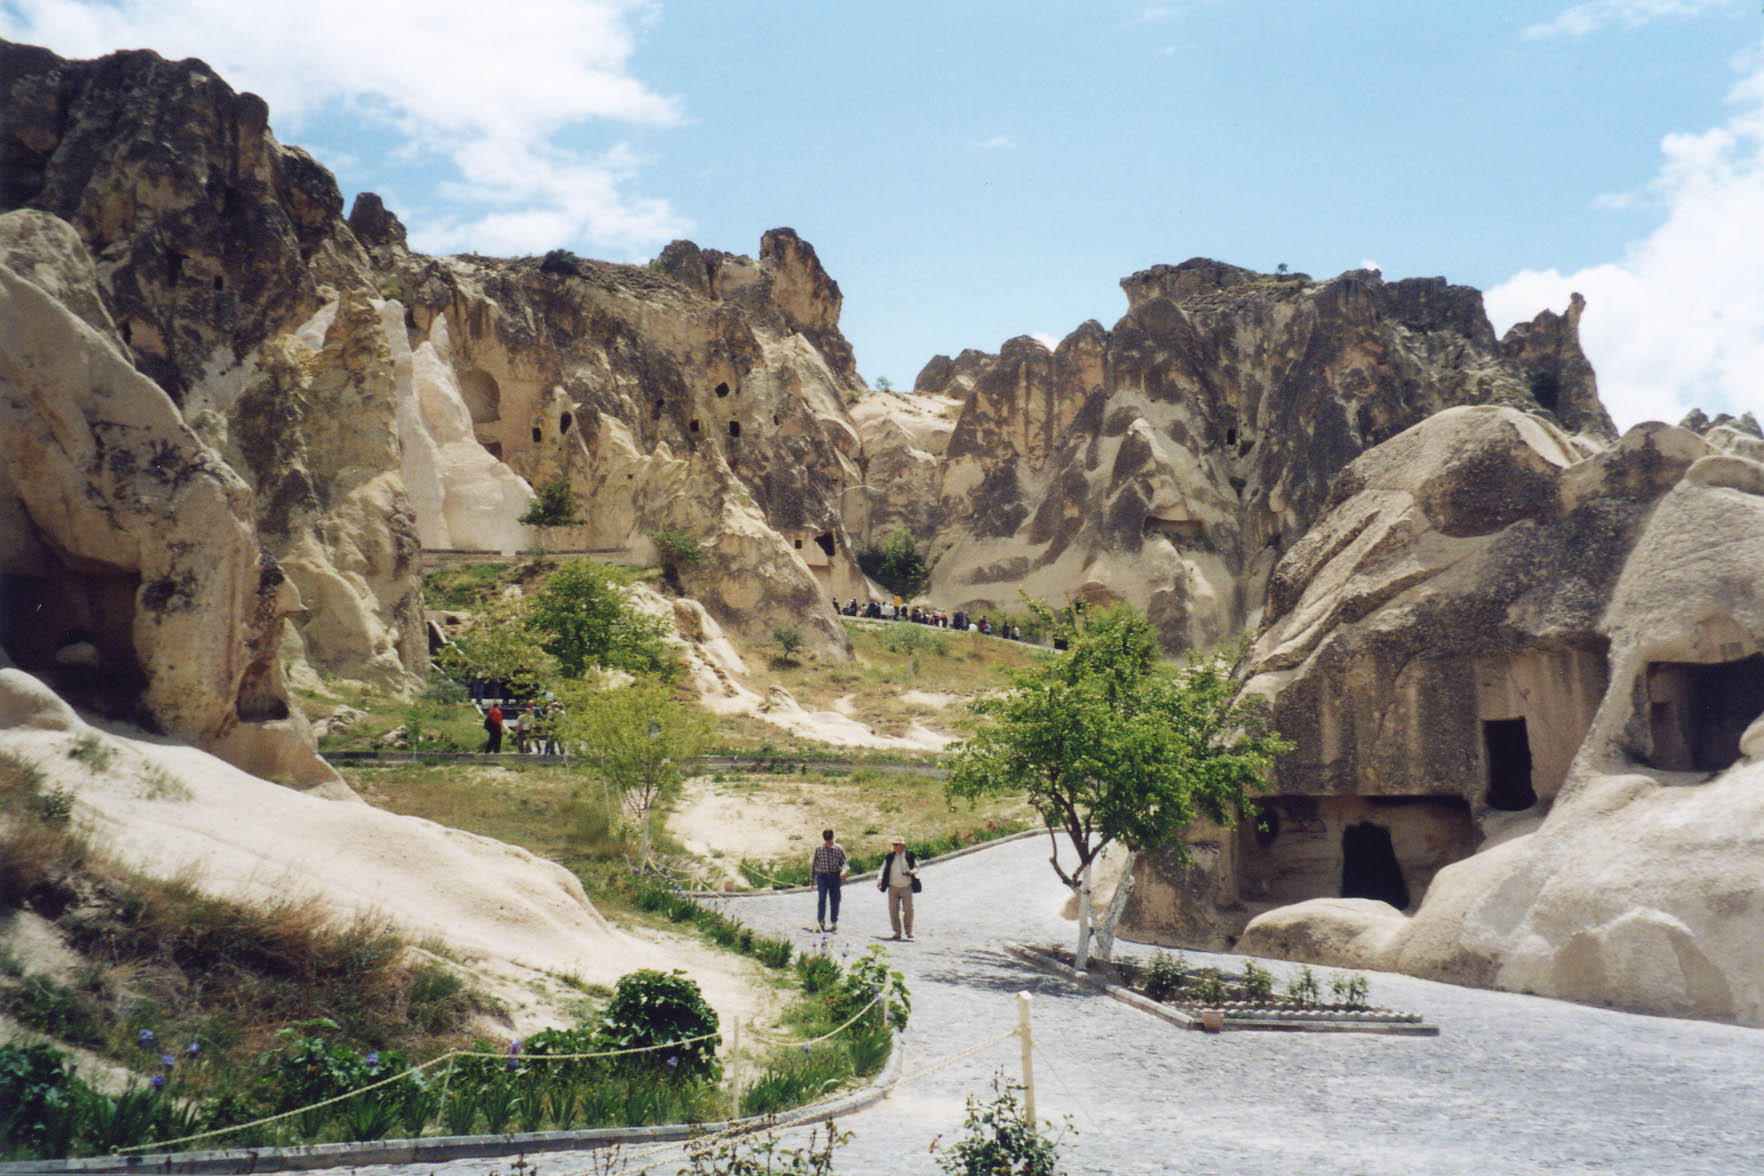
(553, 505)
(871, 979)
(1164, 976)
(1257, 981)
(896, 565)
(583, 620)
(1210, 990)
(561, 262)
(1350, 990)
(1304, 988)
(650, 1008)
(998, 1137)
(817, 971)
(40, 1097)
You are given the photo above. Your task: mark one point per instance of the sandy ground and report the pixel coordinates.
(521, 922)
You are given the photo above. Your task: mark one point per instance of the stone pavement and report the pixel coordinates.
(1513, 1085)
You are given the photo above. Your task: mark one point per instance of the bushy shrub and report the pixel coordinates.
(871, 979)
(1257, 981)
(998, 1137)
(1350, 990)
(39, 1099)
(650, 1008)
(896, 565)
(1304, 988)
(1164, 976)
(553, 505)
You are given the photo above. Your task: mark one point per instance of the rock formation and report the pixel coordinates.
(1172, 460)
(1515, 677)
(132, 575)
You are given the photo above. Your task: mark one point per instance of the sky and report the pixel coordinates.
(969, 172)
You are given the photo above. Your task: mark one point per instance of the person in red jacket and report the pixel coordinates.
(493, 729)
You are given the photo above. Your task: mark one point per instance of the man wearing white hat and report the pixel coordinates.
(899, 880)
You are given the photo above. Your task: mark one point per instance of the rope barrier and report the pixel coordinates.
(448, 1057)
(1082, 1109)
(874, 1001)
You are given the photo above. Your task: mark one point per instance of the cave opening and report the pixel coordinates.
(1230, 436)
(1508, 747)
(1369, 867)
(825, 541)
(128, 332)
(1699, 711)
(734, 428)
(538, 434)
(722, 391)
(692, 427)
(563, 423)
(1546, 389)
(75, 630)
(220, 282)
(483, 396)
(655, 413)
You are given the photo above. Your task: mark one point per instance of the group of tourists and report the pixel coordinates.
(935, 617)
(532, 726)
(898, 879)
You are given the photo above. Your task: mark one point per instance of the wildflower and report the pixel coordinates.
(159, 1082)
(145, 1037)
(373, 1058)
(194, 1048)
(167, 1060)
(514, 1047)
(672, 1062)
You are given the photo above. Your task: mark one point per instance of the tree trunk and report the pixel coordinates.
(1081, 957)
(1105, 932)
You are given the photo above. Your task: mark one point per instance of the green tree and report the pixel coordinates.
(677, 550)
(896, 565)
(788, 639)
(554, 505)
(1109, 744)
(634, 739)
(582, 619)
(500, 646)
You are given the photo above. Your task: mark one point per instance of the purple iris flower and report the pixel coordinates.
(145, 1037)
(194, 1048)
(159, 1082)
(167, 1060)
(672, 1062)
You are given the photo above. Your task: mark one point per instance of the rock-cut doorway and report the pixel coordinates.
(1369, 866)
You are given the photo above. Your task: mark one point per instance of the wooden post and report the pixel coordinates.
(1027, 1041)
(735, 1069)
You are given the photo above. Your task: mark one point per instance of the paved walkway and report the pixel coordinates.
(1513, 1084)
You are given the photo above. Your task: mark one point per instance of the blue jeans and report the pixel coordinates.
(827, 888)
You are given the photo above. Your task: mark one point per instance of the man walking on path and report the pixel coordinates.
(828, 867)
(493, 729)
(898, 879)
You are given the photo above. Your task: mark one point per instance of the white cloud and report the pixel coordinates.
(1679, 319)
(996, 143)
(487, 86)
(1051, 342)
(1583, 19)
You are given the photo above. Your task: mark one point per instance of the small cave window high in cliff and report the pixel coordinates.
(1508, 749)
(1698, 711)
(734, 428)
(722, 390)
(1369, 867)
(563, 424)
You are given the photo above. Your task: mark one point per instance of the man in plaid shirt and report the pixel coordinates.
(828, 867)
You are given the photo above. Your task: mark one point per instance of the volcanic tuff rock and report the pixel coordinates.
(209, 236)
(705, 394)
(1491, 641)
(1172, 459)
(317, 433)
(133, 578)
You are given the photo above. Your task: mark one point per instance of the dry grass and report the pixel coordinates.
(893, 663)
(165, 955)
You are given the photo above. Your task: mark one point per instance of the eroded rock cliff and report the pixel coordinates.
(1171, 460)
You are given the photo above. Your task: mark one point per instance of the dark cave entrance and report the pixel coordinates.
(1546, 389)
(1697, 712)
(1369, 867)
(75, 630)
(825, 541)
(1509, 765)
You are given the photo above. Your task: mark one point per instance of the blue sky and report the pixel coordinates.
(970, 172)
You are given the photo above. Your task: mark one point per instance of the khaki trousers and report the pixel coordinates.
(900, 909)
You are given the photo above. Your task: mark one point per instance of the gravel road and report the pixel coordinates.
(1513, 1085)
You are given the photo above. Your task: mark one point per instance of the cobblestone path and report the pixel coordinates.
(1513, 1085)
